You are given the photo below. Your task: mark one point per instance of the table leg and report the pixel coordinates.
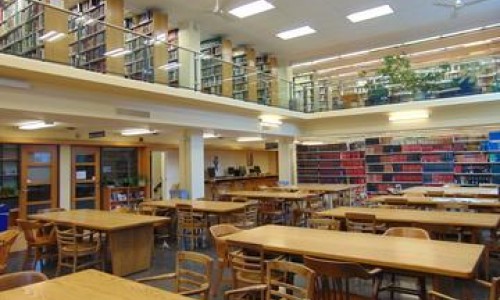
(130, 249)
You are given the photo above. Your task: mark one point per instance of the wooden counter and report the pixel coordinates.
(214, 186)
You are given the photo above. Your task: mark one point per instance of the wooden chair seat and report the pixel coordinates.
(80, 249)
(19, 279)
(7, 239)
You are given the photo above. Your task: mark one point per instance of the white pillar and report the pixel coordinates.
(286, 159)
(65, 176)
(189, 38)
(191, 163)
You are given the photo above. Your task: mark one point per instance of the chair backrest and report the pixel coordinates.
(252, 213)
(7, 239)
(402, 202)
(19, 279)
(49, 210)
(462, 207)
(239, 199)
(325, 224)
(185, 215)
(359, 222)
(410, 232)
(194, 272)
(31, 229)
(68, 237)
(332, 277)
(247, 261)
(279, 286)
(219, 231)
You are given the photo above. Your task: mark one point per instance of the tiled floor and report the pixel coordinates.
(164, 262)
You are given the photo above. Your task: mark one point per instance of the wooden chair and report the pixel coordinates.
(313, 206)
(392, 287)
(20, 279)
(190, 225)
(7, 239)
(272, 212)
(494, 291)
(221, 250)
(281, 287)
(249, 218)
(332, 278)
(323, 223)
(40, 239)
(49, 210)
(395, 203)
(193, 274)
(359, 222)
(78, 249)
(239, 199)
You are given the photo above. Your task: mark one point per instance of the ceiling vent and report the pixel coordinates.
(133, 113)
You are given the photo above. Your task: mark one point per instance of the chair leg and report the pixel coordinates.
(26, 257)
(218, 278)
(422, 288)
(393, 284)
(59, 262)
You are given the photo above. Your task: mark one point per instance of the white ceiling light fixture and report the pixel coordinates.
(138, 131)
(252, 8)
(34, 125)
(270, 121)
(371, 13)
(248, 139)
(411, 115)
(312, 143)
(52, 36)
(211, 135)
(295, 33)
(117, 52)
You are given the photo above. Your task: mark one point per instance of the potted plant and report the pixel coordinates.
(431, 81)
(377, 93)
(403, 81)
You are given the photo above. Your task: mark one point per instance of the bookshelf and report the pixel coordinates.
(332, 163)
(304, 90)
(493, 147)
(146, 58)
(9, 175)
(25, 22)
(244, 77)
(130, 197)
(85, 178)
(173, 57)
(216, 76)
(90, 39)
(324, 95)
(267, 80)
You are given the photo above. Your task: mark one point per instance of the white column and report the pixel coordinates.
(65, 176)
(286, 159)
(285, 75)
(191, 163)
(189, 38)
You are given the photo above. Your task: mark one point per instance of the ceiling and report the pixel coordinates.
(336, 35)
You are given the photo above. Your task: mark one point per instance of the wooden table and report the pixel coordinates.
(329, 189)
(208, 207)
(412, 216)
(454, 191)
(270, 195)
(481, 203)
(89, 284)
(424, 256)
(128, 235)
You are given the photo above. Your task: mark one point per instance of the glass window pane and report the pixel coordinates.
(39, 174)
(41, 157)
(39, 193)
(85, 204)
(85, 158)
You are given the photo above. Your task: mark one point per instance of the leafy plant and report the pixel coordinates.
(398, 70)
(430, 81)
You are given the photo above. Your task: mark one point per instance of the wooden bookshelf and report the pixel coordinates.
(216, 76)
(9, 175)
(304, 90)
(267, 80)
(129, 197)
(244, 77)
(86, 178)
(24, 22)
(90, 39)
(173, 57)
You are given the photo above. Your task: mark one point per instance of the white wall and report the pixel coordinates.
(171, 171)
(267, 160)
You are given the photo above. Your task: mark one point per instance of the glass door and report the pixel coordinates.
(38, 178)
(86, 193)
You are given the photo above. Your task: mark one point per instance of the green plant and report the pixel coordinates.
(430, 81)
(398, 70)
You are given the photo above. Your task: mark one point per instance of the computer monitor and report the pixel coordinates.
(211, 172)
(257, 169)
(243, 171)
(230, 170)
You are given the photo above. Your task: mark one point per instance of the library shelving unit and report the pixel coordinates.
(267, 82)
(129, 197)
(9, 176)
(304, 90)
(90, 39)
(472, 165)
(85, 178)
(493, 146)
(244, 77)
(146, 57)
(324, 95)
(331, 163)
(25, 22)
(216, 76)
(173, 57)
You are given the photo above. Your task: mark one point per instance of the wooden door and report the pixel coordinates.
(39, 183)
(86, 178)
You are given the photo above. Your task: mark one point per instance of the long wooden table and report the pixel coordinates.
(270, 195)
(415, 217)
(423, 256)
(209, 207)
(453, 191)
(434, 201)
(328, 189)
(89, 284)
(128, 235)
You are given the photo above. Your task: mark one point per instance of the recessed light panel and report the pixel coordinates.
(295, 33)
(251, 9)
(371, 13)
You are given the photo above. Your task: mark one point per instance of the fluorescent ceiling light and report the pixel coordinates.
(137, 131)
(170, 66)
(210, 135)
(117, 52)
(312, 143)
(249, 139)
(270, 121)
(52, 36)
(371, 13)
(251, 9)
(478, 43)
(295, 33)
(408, 115)
(36, 125)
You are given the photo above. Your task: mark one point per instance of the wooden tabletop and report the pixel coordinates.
(477, 202)
(330, 188)
(214, 207)
(426, 256)
(90, 284)
(466, 191)
(294, 196)
(98, 219)
(464, 219)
